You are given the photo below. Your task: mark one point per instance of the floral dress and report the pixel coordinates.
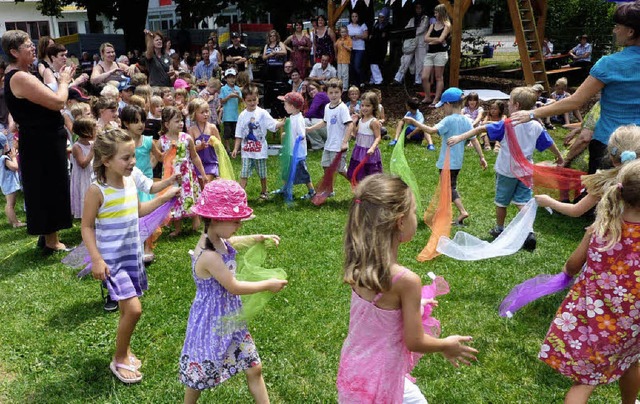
(595, 336)
(299, 57)
(216, 346)
(181, 163)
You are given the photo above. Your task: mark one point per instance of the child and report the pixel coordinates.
(251, 134)
(293, 104)
(354, 100)
(216, 347)
(412, 133)
(211, 95)
(201, 130)
(385, 325)
(230, 95)
(495, 114)
(594, 338)
(367, 134)
(530, 136)
(561, 93)
(110, 232)
(343, 48)
(541, 102)
(167, 96)
(185, 159)
(453, 124)
(81, 163)
(472, 108)
(105, 110)
(9, 180)
(155, 107)
(338, 119)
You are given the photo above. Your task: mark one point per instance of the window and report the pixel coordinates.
(68, 28)
(35, 29)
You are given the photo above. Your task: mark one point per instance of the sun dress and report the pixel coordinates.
(118, 240)
(80, 181)
(364, 140)
(207, 155)
(300, 58)
(216, 347)
(374, 359)
(595, 336)
(324, 46)
(143, 162)
(190, 190)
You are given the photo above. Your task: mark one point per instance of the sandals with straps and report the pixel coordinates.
(115, 370)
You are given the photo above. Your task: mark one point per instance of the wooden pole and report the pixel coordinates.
(333, 13)
(460, 7)
(541, 7)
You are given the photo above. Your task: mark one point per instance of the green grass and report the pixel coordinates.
(56, 341)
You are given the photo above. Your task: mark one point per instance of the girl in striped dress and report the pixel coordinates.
(110, 232)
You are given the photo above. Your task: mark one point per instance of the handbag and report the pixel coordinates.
(409, 46)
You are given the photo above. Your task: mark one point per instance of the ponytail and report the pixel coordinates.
(608, 224)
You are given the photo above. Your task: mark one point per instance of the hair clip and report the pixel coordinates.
(627, 155)
(614, 151)
(619, 185)
(357, 201)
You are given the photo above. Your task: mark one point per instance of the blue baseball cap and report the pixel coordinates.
(453, 94)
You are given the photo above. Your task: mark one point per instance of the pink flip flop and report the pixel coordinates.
(114, 369)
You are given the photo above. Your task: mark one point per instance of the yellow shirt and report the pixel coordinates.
(344, 56)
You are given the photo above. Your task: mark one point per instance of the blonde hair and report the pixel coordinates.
(110, 92)
(624, 192)
(562, 82)
(526, 97)
(196, 105)
(372, 98)
(215, 83)
(105, 147)
(138, 101)
(183, 92)
(442, 13)
(77, 110)
(156, 102)
(138, 79)
(372, 228)
(625, 138)
(144, 91)
(242, 79)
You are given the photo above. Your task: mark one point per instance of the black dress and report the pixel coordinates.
(43, 163)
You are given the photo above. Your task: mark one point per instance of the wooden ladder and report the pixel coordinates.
(529, 46)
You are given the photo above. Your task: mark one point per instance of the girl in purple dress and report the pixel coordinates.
(218, 345)
(367, 139)
(385, 325)
(201, 131)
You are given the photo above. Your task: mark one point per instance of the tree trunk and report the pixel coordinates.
(132, 16)
(95, 27)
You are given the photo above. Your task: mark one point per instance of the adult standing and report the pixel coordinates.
(378, 41)
(324, 39)
(236, 54)
(581, 53)
(437, 56)
(414, 49)
(215, 53)
(158, 62)
(274, 54)
(57, 53)
(43, 61)
(43, 140)
(205, 68)
(358, 33)
(108, 69)
(300, 45)
(315, 114)
(618, 79)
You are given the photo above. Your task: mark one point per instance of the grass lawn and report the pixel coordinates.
(56, 341)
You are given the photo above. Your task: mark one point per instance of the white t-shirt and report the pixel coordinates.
(358, 44)
(298, 127)
(337, 119)
(252, 128)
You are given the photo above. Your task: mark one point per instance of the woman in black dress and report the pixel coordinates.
(43, 140)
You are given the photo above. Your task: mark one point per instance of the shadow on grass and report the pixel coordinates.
(70, 317)
(8, 234)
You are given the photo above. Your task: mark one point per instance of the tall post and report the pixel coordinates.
(460, 7)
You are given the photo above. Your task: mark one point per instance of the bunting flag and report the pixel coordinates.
(533, 289)
(560, 182)
(147, 225)
(465, 247)
(400, 167)
(356, 171)
(225, 169)
(251, 269)
(325, 186)
(438, 213)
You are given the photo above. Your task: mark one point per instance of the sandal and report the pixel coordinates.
(114, 369)
(135, 362)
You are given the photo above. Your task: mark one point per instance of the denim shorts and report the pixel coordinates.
(511, 190)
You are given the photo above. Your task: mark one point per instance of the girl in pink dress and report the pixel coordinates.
(595, 336)
(385, 324)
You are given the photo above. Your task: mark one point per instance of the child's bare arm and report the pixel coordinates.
(478, 149)
(453, 140)
(316, 126)
(375, 127)
(579, 256)
(556, 152)
(92, 202)
(158, 186)
(11, 163)
(568, 209)
(425, 128)
(155, 151)
(236, 147)
(212, 263)
(144, 208)
(196, 159)
(83, 161)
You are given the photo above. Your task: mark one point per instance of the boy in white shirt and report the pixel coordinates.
(339, 124)
(251, 134)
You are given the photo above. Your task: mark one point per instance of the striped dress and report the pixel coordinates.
(118, 240)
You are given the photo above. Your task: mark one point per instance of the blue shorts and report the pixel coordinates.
(511, 190)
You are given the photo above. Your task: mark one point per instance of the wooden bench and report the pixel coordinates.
(563, 70)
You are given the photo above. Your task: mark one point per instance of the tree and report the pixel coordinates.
(129, 15)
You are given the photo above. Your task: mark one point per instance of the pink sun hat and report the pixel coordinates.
(223, 200)
(181, 83)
